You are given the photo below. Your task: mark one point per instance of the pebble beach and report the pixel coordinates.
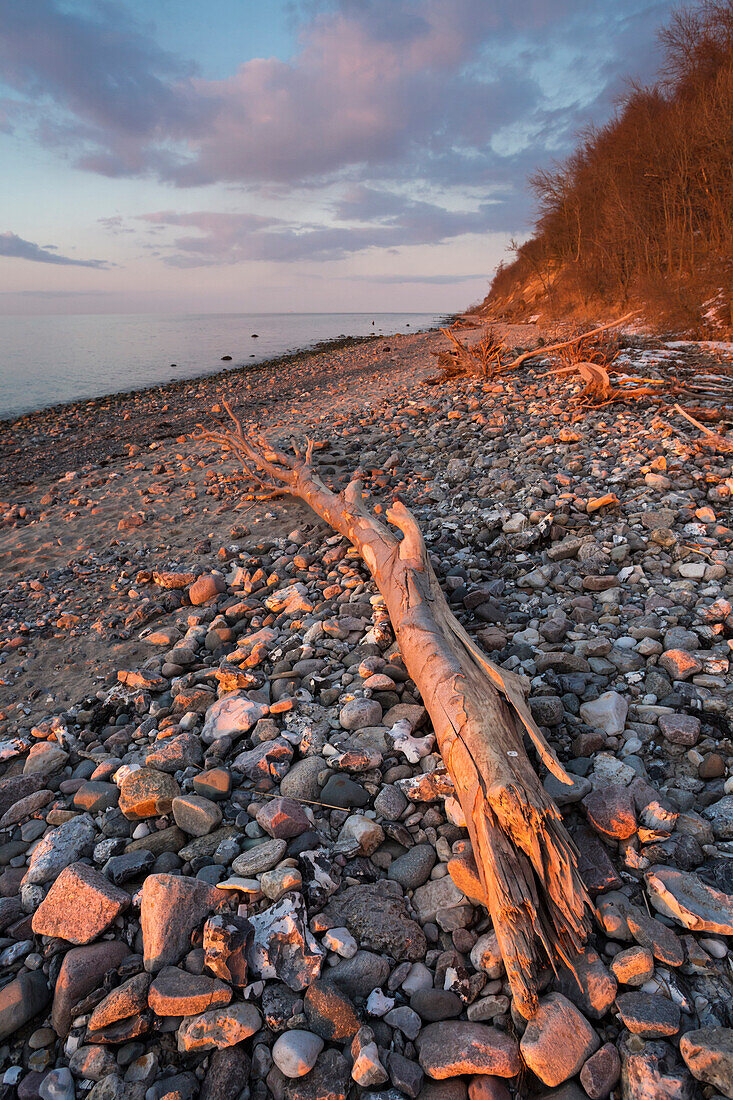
(230, 860)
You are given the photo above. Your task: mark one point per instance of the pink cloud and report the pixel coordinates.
(410, 87)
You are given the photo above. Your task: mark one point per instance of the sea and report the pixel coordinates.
(51, 360)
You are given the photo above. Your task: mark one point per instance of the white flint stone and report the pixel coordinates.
(378, 1003)
(231, 716)
(412, 748)
(295, 1052)
(341, 941)
(123, 772)
(367, 1069)
(607, 712)
(367, 834)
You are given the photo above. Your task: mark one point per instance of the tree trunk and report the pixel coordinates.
(525, 858)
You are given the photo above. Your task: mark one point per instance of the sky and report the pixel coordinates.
(175, 156)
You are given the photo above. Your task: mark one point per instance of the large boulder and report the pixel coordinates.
(454, 1047)
(172, 907)
(708, 1054)
(80, 905)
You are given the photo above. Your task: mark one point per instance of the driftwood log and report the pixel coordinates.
(598, 389)
(484, 357)
(545, 349)
(710, 438)
(526, 861)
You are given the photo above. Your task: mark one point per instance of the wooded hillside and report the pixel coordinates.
(642, 211)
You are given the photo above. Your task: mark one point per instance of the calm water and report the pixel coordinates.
(48, 360)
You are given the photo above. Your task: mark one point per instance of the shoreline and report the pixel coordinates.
(92, 492)
(53, 440)
(338, 343)
(177, 383)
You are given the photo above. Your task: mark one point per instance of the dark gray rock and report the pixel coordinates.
(413, 868)
(344, 792)
(406, 1076)
(279, 1005)
(21, 1000)
(436, 1004)
(328, 1080)
(130, 865)
(547, 710)
(227, 1070)
(182, 1086)
(359, 975)
(648, 1014)
(302, 779)
(379, 921)
(390, 803)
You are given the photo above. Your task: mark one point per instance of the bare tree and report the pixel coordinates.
(650, 194)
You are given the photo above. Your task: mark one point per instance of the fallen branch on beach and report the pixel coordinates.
(699, 412)
(547, 348)
(598, 388)
(484, 357)
(525, 861)
(711, 438)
